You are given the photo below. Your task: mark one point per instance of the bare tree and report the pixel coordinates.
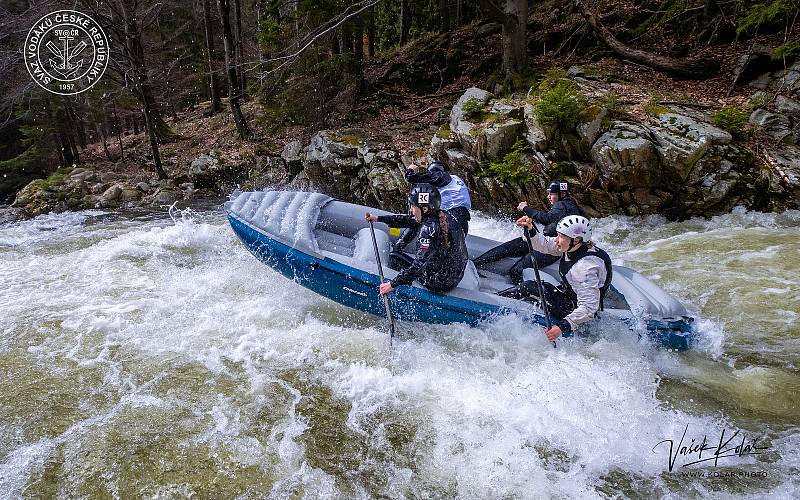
(234, 91)
(216, 103)
(405, 21)
(444, 16)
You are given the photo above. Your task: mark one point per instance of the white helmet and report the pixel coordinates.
(575, 226)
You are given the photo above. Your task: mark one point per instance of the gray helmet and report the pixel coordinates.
(437, 166)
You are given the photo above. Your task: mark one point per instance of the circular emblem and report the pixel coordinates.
(66, 52)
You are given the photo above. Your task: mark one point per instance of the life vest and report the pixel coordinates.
(455, 194)
(565, 265)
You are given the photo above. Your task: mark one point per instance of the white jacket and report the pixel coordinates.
(586, 278)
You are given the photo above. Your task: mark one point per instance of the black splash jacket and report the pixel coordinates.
(436, 266)
(558, 211)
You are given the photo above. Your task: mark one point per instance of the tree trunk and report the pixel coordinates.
(216, 103)
(515, 41)
(347, 38)
(103, 136)
(75, 124)
(358, 39)
(405, 21)
(444, 16)
(459, 12)
(371, 32)
(239, 60)
(135, 125)
(696, 68)
(135, 52)
(513, 16)
(709, 9)
(119, 134)
(234, 93)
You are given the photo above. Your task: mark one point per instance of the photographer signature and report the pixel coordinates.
(736, 445)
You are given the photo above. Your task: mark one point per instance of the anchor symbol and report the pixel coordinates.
(66, 68)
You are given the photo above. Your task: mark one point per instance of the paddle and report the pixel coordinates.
(380, 272)
(542, 299)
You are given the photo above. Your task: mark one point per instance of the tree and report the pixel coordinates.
(513, 16)
(216, 103)
(234, 91)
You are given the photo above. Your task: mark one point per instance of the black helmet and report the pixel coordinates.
(425, 195)
(557, 187)
(437, 166)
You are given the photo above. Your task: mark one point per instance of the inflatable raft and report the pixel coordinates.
(326, 246)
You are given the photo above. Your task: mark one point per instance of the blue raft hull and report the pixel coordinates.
(358, 289)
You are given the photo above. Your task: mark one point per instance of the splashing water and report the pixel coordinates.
(152, 356)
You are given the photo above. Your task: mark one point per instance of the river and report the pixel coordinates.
(143, 355)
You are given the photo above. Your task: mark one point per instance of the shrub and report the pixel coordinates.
(611, 102)
(513, 168)
(560, 106)
(732, 118)
(472, 108)
(653, 108)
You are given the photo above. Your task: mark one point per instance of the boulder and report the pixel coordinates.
(589, 130)
(775, 125)
(534, 132)
(457, 113)
(291, 153)
(787, 106)
(112, 194)
(203, 164)
(625, 155)
(681, 141)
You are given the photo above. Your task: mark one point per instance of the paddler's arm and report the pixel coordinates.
(540, 242)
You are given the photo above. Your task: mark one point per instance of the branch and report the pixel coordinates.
(689, 68)
(366, 4)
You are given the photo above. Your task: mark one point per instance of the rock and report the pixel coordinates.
(458, 124)
(129, 194)
(291, 153)
(681, 141)
(692, 129)
(98, 188)
(143, 187)
(775, 125)
(108, 177)
(460, 162)
(439, 146)
(590, 131)
(203, 164)
(166, 197)
(82, 175)
(534, 133)
(787, 106)
(187, 186)
(500, 138)
(506, 110)
(785, 162)
(756, 62)
(574, 71)
(112, 194)
(626, 157)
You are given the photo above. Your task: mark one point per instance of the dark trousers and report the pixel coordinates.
(517, 247)
(558, 303)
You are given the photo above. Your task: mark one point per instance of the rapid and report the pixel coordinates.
(153, 355)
